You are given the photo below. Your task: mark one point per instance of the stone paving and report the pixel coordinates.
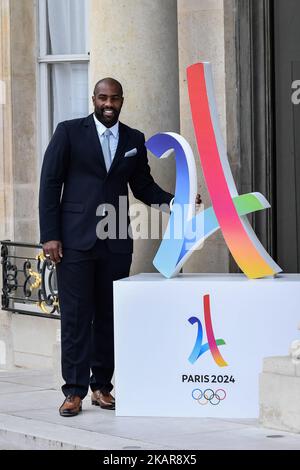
(29, 419)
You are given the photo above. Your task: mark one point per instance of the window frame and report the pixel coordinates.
(43, 61)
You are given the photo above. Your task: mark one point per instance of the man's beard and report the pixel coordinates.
(107, 120)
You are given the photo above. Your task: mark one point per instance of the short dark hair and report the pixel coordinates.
(111, 81)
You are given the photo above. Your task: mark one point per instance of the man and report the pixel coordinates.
(89, 162)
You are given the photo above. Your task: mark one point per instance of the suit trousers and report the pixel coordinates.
(85, 288)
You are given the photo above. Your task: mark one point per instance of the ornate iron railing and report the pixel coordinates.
(29, 282)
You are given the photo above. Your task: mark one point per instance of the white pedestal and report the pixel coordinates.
(154, 339)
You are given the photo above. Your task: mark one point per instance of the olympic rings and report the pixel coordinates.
(208, 395)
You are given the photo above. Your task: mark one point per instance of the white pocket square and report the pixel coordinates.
(131, 153)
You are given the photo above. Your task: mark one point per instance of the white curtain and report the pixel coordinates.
(67, 35)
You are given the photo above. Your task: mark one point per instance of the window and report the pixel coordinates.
(63, 63)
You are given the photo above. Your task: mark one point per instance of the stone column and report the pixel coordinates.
(24, 124)
(6, 171)
(135, 41)
(201, 38)
(6, 160)
(18, 152)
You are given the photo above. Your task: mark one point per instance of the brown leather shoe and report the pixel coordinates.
(71, 406)
(103, 399)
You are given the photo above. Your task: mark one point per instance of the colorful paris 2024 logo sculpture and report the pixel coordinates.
(228, 211)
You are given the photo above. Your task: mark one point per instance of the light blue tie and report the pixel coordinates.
(106, 148)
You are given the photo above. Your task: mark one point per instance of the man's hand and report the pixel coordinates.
(198, 200)
(53, 250)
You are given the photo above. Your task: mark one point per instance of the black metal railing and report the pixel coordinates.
(29, 282)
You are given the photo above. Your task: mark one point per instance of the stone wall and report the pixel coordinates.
(24, 122)
(6, 170)
(6, 162)
(201, 38)
(142, 53)
(18, 162)
(148, 52)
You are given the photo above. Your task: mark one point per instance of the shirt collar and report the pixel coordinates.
(101, 128)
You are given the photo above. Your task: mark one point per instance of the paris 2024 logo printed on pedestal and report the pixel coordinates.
(204, 395)
(229, 209)
(212, 343)
(228, 212)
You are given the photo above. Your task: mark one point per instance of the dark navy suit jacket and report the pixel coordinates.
(74, 182)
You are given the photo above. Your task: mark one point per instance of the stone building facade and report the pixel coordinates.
(146, 45)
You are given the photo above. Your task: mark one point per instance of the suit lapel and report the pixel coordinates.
(94, 141)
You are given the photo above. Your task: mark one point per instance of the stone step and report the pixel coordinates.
(27, 434)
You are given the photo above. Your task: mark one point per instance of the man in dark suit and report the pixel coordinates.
(89, 162)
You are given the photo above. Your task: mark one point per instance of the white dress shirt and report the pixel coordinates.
(114, 137)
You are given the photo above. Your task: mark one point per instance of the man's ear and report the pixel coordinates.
(93, 99)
